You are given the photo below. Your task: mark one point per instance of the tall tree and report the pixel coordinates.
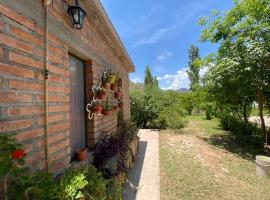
(148, 78)
(194, 67)
(244, 47)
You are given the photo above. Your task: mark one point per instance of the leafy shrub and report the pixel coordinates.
(233, 124)
(111, 151)
(171, 117)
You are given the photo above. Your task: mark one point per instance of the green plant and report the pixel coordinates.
(11, 159)
(97, 185)
(72, 184)
(107, 105)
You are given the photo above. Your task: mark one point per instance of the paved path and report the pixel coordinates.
(145, 173)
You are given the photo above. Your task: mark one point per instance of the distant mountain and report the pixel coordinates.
(183, 90)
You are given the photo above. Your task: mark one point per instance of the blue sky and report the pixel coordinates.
(159, 33)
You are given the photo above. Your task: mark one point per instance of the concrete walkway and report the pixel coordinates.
(145, 173)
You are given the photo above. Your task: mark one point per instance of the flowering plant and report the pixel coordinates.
(11, 158)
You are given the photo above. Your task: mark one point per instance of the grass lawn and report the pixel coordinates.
(202, 162)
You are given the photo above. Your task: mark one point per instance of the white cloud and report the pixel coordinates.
(136, 78)
(175, 81)
(158, 35)
(164, 56)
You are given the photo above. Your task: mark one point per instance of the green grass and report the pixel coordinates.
(193, 167)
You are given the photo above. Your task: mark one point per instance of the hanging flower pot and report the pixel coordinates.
(112, 78)
(113, 87)
(107, 112)
(101, 94)
(117, 95)
(119, 82)
(97, 109)
(81, 154)
(106, 85)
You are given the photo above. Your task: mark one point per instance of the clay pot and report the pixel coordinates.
(101, 94)
(119, 82)
(106, 86)
(113, 87)
(106, 112)
(97, 109)
(81, 155)
(111, 78)
(117, 95)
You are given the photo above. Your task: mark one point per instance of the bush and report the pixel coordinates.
(85, 183)
(171, 117)
(111, 151)
(233, 124)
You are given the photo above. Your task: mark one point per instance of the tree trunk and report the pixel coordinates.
(260, 103)
(245, 115)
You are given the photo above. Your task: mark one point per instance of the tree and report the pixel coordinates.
(243, 34)
(148, 78)
(194, 66)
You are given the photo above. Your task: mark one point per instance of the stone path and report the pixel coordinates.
(145, 173)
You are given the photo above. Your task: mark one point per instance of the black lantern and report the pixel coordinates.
(77, 15)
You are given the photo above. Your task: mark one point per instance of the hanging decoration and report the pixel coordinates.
(107, 87)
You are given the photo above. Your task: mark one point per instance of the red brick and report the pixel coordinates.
(1, 82)
(28, 147)
(60, 145)
(57, 156)
(56, 51)
(56, 59)
(29, 135)
(14, 97)
(16, 17)
(59, 127)
(58, 70)
(40, 143)
(16, 71)
(1, 54)
(31, 160)
(55, 167)
(25, 110)
(51, 98)
(22, 85)
(58, 89)
(4, 39)
(58, 79)
(51, 119)
(66, 99)
(25, 60)
(15, 125)
(26, 36)
(63, 108)
(56, 137)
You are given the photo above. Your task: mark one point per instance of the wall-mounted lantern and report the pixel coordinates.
(77, 15)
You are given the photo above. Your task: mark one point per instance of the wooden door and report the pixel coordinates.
(77, 105)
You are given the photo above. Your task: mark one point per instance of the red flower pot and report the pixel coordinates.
(97, 109)
(101, 95)
(117, 95)
(113, 87)
(106, 86)
(106, 112)
(17, 154)
(81, 155)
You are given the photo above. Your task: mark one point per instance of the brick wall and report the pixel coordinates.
(22, 63)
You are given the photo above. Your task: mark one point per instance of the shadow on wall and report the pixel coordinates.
(134, 174)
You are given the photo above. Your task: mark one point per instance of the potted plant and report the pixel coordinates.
(114, 87)
(107, 108)
(81, 154)
(100, 93)
(105, 82)
(112, 77)
(117, 94)
(97, 108)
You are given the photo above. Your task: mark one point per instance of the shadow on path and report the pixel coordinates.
(134, 174)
